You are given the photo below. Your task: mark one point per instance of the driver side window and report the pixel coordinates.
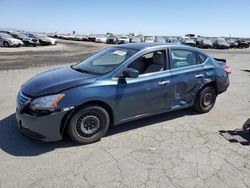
(149, 63)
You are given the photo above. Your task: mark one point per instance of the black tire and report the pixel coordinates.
(88, 124)
(205, 99)
(6, 44)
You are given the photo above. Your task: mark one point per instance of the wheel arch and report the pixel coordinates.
(67, 117)
(211, 83)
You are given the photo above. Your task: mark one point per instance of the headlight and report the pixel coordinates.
(11, 41)
(47, 102)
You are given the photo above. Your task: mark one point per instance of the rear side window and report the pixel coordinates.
(182, 58)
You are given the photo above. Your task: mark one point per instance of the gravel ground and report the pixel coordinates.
(177, 149)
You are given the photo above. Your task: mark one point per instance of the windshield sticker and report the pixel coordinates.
(119, 52)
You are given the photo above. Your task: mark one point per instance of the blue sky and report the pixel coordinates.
(159, 17)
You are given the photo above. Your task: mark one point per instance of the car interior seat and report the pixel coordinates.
(157, 64)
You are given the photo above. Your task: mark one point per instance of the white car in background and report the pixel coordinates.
(160, 39)
(150, 39)
(101, 39)
(52, 41)
(136, 39)
(45, 40)
(7, 40)
(123, 39)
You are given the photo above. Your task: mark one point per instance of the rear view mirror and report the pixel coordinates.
(130, 73)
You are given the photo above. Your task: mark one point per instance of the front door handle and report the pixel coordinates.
(164, 82)
(199, 75)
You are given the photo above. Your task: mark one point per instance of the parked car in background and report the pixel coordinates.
(123, 39)
(85, 37)
(191, 36)
(173, 40)
(64, 36)
(136, 39)
(232, 43)
(25, 39)
(221, 43)
(91, 38)
(112, 39)
(188, 41)
(43, 40)
(52, 41)
(80, 37)
(149, 39)
(118, 85)
(204, 43)
(159, 39)
(9, 41)
(72, 37)
(242, 43)
(101, 38)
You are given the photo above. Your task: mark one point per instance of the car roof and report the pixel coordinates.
(147, 45)
(144, 45)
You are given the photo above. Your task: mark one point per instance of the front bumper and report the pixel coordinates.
(45, 128)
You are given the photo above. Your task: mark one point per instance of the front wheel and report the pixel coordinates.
(205, 99)
(6, 44)
(88, 124)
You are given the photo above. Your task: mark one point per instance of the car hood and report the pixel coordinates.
(56, 80)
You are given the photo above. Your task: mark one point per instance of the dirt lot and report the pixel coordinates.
(177, 149)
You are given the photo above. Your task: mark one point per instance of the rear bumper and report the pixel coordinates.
(45, 128)
(223, 84)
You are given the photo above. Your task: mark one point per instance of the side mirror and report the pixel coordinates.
(130, 73)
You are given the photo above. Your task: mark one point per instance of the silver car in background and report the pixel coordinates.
(149, 39)
(123, 39)
(136, 39)
(8, 41)
(101, 38)
(160, 39)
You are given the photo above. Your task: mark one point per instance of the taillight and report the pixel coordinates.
(227, 69)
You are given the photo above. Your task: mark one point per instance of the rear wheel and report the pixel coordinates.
(88, 124)
(6, 44)
(205, 99)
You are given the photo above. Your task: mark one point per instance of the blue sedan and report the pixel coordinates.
(117, 85)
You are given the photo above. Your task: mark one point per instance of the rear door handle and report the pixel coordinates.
(199, 75)
(164, 82)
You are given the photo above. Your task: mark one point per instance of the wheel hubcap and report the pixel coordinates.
(208, 99)
(89, 124)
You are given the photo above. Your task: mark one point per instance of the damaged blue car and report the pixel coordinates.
(116, 85)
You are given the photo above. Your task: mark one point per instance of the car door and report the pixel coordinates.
(188, 76)
(147, 94)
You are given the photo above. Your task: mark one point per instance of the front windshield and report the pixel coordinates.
(105, 60)
(5, 35)
(21, 35)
